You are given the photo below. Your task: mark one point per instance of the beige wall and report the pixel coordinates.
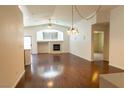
(103, 16)
(32, 31)
(117, 37)
(11, 46)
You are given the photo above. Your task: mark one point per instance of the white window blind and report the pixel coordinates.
(49, 35)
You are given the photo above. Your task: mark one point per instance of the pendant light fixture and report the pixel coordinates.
(72, 30)
(49, 24)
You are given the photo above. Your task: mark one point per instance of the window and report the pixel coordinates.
(49, 35)
(27, 42)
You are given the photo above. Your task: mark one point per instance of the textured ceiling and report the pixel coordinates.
(59, 14)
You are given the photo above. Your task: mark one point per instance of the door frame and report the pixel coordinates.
(105, 28)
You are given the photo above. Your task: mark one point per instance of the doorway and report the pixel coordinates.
(100, 42)
(27, 50)
(98, 45)
(27, 42)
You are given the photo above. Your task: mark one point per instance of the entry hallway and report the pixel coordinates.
(64, 71)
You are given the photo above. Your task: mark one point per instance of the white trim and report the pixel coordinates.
(19, 78)
(115, 66)
(80, 57)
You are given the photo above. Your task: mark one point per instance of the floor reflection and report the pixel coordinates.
(56, 58)
(50, 83)
(95, 74)
(64, 71)
(98, 68)
(50, 71)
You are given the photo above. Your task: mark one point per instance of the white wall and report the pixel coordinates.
(31, 31)
(117, 37)
(43, 47)
(11, 46)
(80, 45)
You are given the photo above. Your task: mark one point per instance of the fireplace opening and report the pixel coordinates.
(56, 47)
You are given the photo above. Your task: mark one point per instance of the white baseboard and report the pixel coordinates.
(58, 52)
(90, 60)
(120, 67)
(19, 78)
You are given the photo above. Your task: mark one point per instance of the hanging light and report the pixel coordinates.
(72, 30)
(49, 24)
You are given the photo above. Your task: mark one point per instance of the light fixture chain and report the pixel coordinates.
(72, 30)
(86, 17)
(72, 16)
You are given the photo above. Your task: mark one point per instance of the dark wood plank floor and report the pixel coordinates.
(64, 71)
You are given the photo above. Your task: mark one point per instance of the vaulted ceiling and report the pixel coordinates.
(59, 14)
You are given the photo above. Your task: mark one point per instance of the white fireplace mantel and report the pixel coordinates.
(47, 46)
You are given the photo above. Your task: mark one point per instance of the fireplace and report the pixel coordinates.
(56, 47)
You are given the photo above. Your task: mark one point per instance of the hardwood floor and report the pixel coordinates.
(63, 71)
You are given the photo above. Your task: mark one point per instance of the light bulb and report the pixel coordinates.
(49, 25)
(72, 31)
(69, 32)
